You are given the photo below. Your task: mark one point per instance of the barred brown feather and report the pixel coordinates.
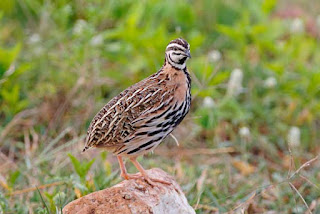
(140, 117)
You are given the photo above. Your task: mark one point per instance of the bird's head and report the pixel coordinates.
(177, 53)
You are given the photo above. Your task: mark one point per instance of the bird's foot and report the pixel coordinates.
(155, 181)
(151, 181)
(127, 176)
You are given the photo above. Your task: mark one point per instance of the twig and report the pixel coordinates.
(306, 164)
(31, 189)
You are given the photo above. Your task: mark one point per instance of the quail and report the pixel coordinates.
(140, 117)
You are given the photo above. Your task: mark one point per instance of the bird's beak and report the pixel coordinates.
(188, 54)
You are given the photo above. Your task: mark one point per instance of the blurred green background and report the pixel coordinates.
(255, 113)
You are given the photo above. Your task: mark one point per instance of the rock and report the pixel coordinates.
(134, 196)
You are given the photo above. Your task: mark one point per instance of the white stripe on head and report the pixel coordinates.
(175, 45)
(170, 57)
(182, 41)
(176, 65)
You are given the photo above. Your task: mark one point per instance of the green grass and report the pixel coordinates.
(61, 61)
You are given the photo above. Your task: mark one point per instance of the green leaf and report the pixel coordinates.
(219, 78)
(13, 177)
(81, 168)
(8, 56)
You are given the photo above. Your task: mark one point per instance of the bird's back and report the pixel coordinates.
(141, 116)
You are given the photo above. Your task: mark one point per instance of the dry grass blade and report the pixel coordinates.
(50, 155)
(310, 182)
(244, 203)
(27, 143)
(207, 207)
(291, 162)
(15, 121)
(55, 141)
(6, 161)
(175, 139)
(202, 151)
(201, 179)
(304, 201)
(3, 183)
(62, 108)
(306, 164)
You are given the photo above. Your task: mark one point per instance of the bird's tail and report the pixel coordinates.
(85, 148)
(86, 145)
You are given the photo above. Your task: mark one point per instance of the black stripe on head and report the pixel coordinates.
(182, 60)
(181, 42)
(175, 48)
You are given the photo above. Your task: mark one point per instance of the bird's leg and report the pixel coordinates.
(123, 169)
(145, 175)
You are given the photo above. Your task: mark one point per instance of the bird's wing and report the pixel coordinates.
(119, 119)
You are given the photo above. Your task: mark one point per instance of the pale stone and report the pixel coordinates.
(134, 196)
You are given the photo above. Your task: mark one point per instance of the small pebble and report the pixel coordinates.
(127, 196)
